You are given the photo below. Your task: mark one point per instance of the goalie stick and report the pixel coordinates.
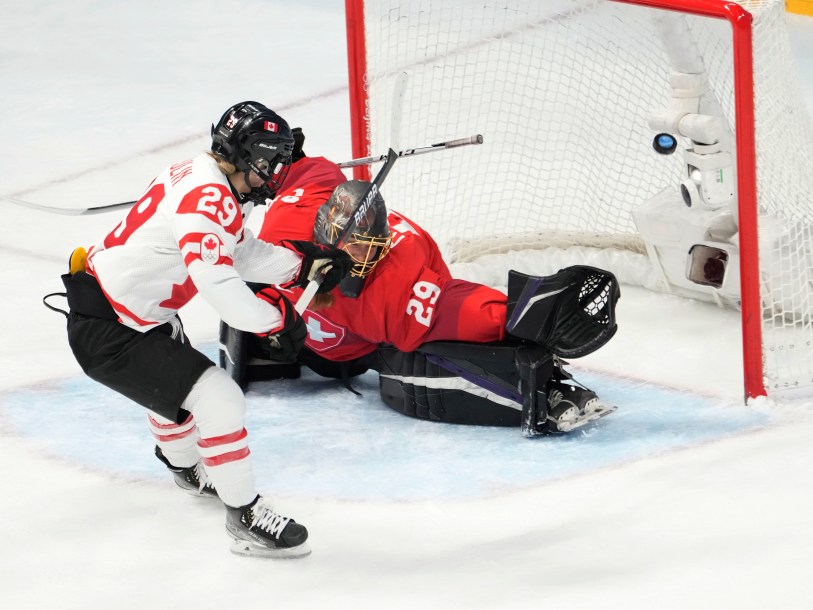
(361, 209)
(98, 209)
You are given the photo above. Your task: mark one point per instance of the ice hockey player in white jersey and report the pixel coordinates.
(185, 236)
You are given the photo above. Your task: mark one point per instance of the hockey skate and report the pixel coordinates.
(192, 480)
(573, 406)
(258, 531)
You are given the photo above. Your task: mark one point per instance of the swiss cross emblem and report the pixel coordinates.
(231, 121)
(322, 333)
(210, 248)
(269, 126)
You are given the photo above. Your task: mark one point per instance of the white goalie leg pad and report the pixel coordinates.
(178, 442)
(219, 408)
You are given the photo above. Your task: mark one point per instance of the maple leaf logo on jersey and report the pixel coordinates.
(322, 333)
(210, 248)
(269, 126)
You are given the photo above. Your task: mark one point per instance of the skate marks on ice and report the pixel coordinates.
(312, 437)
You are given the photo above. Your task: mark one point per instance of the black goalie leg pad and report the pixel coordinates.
(233, 353)
(535, 367)
(401, 385)
(453, 382)
(570, 313)
(245, 359)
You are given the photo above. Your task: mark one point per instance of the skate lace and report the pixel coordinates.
(265, 518)
(201, 478)
(554, 397)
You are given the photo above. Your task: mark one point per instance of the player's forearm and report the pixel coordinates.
(236, 304)
(264, 263)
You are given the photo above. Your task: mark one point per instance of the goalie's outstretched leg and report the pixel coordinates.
(570, 314)
(570, 404)
(552, 401)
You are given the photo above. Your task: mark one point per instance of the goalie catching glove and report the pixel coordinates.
(333, 263)
(571, 313)
(286, 341)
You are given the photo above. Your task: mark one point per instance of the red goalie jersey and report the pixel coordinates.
(410, 298)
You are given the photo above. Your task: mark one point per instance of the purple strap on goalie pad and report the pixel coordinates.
(475, 379)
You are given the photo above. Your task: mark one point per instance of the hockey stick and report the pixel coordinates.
(98, 209)
(398, 93)
(52, 209)
(361, 209)
(409, 152)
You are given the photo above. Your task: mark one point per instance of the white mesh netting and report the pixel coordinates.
(561, 91)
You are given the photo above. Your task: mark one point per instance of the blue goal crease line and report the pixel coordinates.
(311, 437)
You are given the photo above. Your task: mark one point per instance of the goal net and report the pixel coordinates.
(570, 96)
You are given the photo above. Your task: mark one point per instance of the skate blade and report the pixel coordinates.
(246, 548)
(567, 426)
(197, 494)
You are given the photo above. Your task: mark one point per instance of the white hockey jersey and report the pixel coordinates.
(183, 236)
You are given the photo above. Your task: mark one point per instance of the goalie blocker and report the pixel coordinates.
(516, 382)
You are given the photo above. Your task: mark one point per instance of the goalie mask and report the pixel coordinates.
(255, 139)
(367, 245)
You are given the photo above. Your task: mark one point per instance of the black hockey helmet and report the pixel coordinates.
(367, 245)
(255, 139)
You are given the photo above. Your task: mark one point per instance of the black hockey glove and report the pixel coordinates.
(287, 340)
(316, 259)
(299, 140)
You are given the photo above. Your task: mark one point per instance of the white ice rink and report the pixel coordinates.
(684, 498)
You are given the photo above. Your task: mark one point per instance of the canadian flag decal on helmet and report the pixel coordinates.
(269, 126)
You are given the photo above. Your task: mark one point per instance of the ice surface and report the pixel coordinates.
(684, 498)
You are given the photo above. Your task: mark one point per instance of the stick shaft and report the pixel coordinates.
(409, 152)
(364, 204)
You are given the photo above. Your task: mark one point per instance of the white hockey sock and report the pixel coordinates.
(219, 407)
(178, 442)
(227, 459)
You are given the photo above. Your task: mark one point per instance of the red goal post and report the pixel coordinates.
(366, 119)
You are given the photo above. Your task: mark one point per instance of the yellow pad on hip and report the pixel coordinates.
(77, 260)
